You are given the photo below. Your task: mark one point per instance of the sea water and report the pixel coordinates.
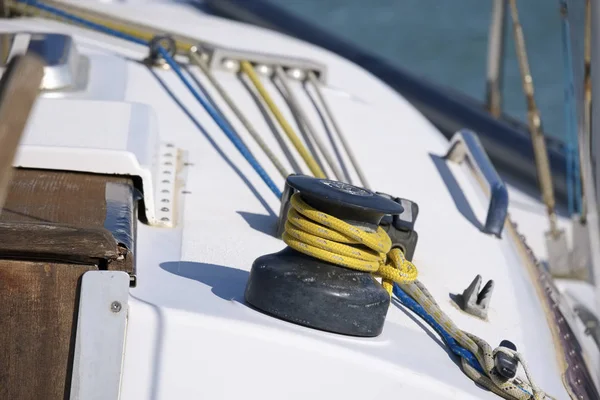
(446, 41)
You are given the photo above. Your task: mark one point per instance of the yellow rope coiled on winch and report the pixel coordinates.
(330, 239)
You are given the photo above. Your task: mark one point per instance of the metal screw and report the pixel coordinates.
(164, 209)
(115, 306)
(164, 219)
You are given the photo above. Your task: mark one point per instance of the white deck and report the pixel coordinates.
(191, 336)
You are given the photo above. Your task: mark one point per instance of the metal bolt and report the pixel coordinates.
(115, 306)
(164, 209)
(165, 219)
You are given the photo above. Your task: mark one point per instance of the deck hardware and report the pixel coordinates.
(400, 228)
(100, 338)
(307, 291)
(231, 65)
(590, 321)
(296, 73)
(475, 300)
(164, 41)
(166, 166)
(64, 68)
(222, 58)
(264, 70)
(506, 365)
(465, 145)
(115, 306)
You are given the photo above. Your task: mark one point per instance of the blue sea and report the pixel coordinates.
(446, 41)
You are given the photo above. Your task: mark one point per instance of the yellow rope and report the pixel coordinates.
(322, 236)
(289, 131)
(327, 238)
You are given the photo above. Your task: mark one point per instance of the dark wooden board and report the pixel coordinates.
(37, 328)
(54, 196)
(56, 242)
(72, 198)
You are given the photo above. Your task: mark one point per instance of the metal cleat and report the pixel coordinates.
(476, 302)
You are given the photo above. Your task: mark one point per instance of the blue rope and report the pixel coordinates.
(233, 137)
(457, 349)
(573, 173)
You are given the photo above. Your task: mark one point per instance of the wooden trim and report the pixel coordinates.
(56, 242)
(19, 88)
(39, 322)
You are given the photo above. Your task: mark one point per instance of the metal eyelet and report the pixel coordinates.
(165, 42)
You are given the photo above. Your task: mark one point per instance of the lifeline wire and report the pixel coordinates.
(177, 69)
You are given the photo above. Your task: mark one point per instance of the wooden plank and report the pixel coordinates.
(19, 88)
(57, 242)
(37, 328)
(76, 199)
(55, 196)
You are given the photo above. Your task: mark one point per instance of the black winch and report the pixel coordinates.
(315, 293)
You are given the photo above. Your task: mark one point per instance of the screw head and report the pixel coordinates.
(115, 306)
